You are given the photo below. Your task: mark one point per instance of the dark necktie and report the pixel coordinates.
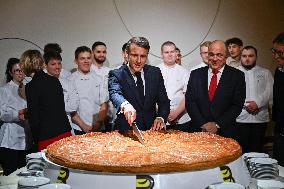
(213, 85)
(140, 86)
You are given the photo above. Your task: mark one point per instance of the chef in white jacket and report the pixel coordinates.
(13, 143)
(252, 122)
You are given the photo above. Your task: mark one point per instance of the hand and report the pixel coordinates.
(251, 107)
(158, 124)
(96, 126)
(129, 113)
(173, 116)
(21, 114)
(210, 127)
(87, 128)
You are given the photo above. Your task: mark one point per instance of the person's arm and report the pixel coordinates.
(101, 116)
(175, 113)
(264, 97)
(163, 104)
(237, 102)
(191, 96)
(71, 96)
(33, 104)
(116, 97)
(78, 121)
(7, 113)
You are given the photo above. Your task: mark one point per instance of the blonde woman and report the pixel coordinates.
(45, 100)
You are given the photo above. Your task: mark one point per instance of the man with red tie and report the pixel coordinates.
(216, 94)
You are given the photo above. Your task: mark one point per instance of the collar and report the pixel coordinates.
(169, 66)
(281, 68)
(13, 83)
(132, 73)
(219, 71)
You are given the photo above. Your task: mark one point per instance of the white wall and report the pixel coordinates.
(73, 23)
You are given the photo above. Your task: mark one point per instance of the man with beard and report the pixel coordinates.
(234, 46)
(278, 100)
(99, 51)
(252, 122)
(215, 94)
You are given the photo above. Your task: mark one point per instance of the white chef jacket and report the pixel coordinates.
(71, 96)
(175, 80)
(102, 71)
(64, 73)
(12, 133)
(91, 95)
(232, 62)
(259, 88)
(202, 64)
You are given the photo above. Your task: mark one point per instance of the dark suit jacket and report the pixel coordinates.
(46, 110)
(122, 87)
(278, 101)
(227, 103)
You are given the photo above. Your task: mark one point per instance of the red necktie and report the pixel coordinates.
(213, 85)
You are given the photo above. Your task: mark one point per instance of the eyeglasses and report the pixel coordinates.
(219, 55)
(203, 52)
(279, 53)
(18, 71)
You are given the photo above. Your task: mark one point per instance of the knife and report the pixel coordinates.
(137, 133)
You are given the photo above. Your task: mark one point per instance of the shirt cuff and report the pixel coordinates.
(122, 106)
(217, 126)
(161, 119)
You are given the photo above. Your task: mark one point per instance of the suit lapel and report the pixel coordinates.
(132, 85)
(204, 84)
(146, 84)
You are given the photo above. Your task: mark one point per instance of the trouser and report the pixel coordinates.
(251, 136)
(182, 127)
(11, 159)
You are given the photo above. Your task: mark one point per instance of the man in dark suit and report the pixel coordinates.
(278, 99)
(216, 94)
(135, 89)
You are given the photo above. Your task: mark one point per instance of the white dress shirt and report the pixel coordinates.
(259, 88)
(91, 95)
(219, 75)
(12, 132)
(175, 80)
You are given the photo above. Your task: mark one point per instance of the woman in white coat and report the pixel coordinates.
(12, 130)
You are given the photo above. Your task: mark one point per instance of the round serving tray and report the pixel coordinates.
(232, 172)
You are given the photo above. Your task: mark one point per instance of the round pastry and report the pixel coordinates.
(162, 152)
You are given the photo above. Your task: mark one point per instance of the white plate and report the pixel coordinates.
(33, 181)
(227, 185)
(255, 155)
(55, 186)
(270, 184)
(263, 160)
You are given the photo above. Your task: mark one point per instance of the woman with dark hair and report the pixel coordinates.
(46, 115)
(12, 131)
